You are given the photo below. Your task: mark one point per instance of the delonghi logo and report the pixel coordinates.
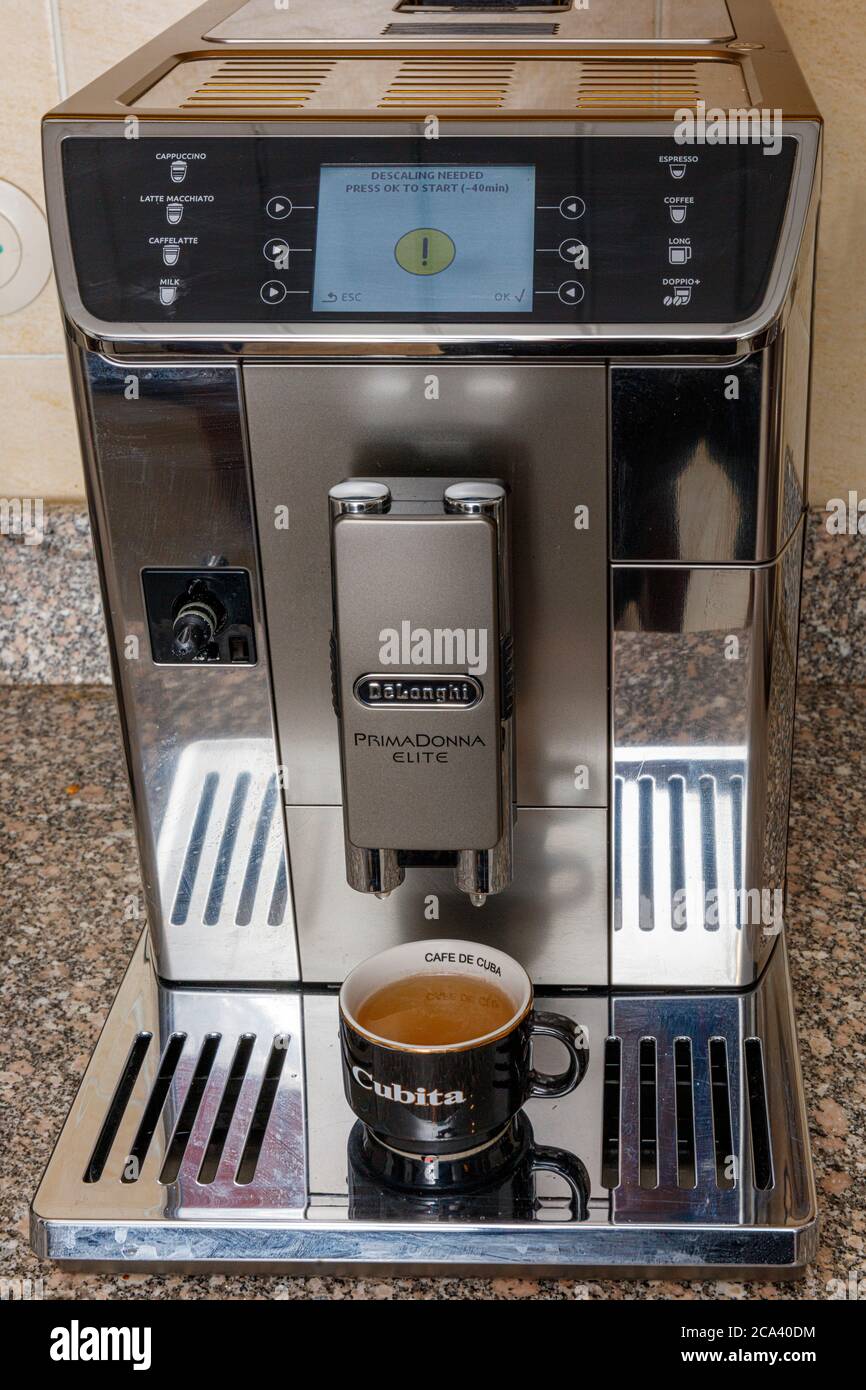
(394, 1091)
(383, 692)
(439, 646)
(77, 1343)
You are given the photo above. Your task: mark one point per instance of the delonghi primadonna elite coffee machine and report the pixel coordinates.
(443, 377)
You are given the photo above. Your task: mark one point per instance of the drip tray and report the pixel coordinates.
(211, 1132)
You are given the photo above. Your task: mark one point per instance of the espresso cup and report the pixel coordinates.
(457, 1096)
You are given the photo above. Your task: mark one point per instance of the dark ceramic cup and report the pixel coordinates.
(455, 1097)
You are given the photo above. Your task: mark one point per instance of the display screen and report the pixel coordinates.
(425, 239)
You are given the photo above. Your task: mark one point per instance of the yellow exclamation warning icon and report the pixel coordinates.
(425, 251)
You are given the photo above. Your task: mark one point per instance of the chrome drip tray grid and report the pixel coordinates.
(211, 1132)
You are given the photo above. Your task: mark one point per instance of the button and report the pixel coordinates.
(678, 171)
(167, 294)
(574, 251)
(178, 170)
(679, 213)
(571, 292)
(273, 292)
(174, 213)
(25, 257)
(277, 250)
(572, 207)
(279, 208)
(171, 253)
(10, 251)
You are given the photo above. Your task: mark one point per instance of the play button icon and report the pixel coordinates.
(571, 292)
(572, 207)
(279, 208)
(273, 292)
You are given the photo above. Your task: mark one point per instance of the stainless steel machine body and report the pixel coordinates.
(445, 410)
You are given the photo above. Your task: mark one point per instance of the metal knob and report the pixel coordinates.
(193, 630)
(360, 497)
(474, 498)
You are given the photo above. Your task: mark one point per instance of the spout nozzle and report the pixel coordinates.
(478, 899)
(375, 871)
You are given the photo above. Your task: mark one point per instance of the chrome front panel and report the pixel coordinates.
(553, 917)
(704, 670)
(169, 487)
(541, 430)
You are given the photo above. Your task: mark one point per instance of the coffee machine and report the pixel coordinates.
(442, 372)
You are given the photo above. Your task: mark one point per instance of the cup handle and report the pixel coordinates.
(544, 1159)
(573, 1037)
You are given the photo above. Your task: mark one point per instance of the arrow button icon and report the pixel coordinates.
(279, 208)
(571, 292)
(572, 207)
(273, 292)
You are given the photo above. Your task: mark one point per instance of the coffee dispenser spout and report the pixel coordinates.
(422, 679)
(375, 871)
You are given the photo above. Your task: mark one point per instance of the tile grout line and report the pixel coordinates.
(59, 56)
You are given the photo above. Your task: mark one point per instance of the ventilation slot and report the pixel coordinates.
(189, 873)
(637, 85)
(227, 1106)
(190, 1109)
(272, 83)
(677, 844)
(708, 852)
(214, 903)
(262, 1113)
(646, 788)
(229, 868)
(469, 30)
(424, 85)
(153, 1109)
(720, 1093)
(648, 1113)
(685, 1112)
(762, 1155)
(117, 1108)
(250, 887)
(611, 1113)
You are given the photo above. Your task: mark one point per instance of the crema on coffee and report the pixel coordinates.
(425, 1010)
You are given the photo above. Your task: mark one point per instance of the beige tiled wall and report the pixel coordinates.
(51, 47)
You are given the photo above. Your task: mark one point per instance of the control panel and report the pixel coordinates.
(299, 229)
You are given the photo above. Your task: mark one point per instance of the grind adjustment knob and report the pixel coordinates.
(194, 629)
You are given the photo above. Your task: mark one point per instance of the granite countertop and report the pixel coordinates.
(70, 887)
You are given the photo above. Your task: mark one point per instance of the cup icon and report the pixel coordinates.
(178, 170)
(679, 255)
(174, 212)
(167, 294)
(171, 253)
(678, 214)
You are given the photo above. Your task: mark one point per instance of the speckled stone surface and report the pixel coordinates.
(68, 874)
(51, 628)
